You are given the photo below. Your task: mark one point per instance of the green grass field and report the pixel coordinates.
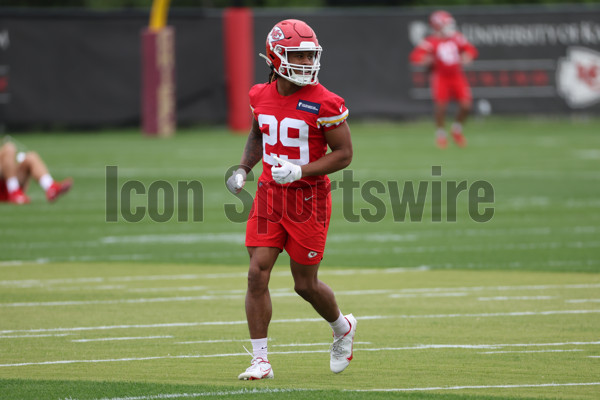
(92, 309)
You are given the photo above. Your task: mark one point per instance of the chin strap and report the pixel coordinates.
(266, 59)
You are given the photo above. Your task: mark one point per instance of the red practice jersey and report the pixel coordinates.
(446, 53)
(294, 126)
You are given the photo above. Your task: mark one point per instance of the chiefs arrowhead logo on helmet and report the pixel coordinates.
(275, 35)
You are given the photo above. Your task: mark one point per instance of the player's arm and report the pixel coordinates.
(250, 157)
(253, 150)
(468, 52)
(339, 141)
(340, 156)
(422, 54)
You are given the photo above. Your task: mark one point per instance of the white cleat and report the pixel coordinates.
(259, 369)
(341, 349)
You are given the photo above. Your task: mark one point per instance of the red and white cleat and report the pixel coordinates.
(259, 369)
(18, 197)
(342, 348)
(58, 188)
(441, 142)
(459, 139)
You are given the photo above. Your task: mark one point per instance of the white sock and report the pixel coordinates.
(440, 132)
(259, 348)
(457, 127)
(12, 184)
(46, 181)
(340, 326)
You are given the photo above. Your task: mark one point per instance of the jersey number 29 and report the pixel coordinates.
(279, 132)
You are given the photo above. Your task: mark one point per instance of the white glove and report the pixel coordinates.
(235, 183)
(287, 172)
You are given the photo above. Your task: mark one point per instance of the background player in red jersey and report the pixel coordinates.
(17, 167)
(444, 53)
(295, 121)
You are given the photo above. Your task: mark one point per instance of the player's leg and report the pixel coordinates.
(441, 137)
(307, 232)
(33, 165)
(321, 297)
(265, 238)
(258, 299)
(440, 95)
(315, 291)
(259, 310)
(8, 160)
(465, 103)
(9, 168)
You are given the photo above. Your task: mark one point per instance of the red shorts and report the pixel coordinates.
(447, 87)
(294, 217)
(3, 190)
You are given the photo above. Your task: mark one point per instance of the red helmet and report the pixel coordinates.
(293, 35)
(442, 22)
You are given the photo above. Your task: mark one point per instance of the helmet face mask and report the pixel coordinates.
(290, 36)
(300, 74)
(443, 23)
(448, 29)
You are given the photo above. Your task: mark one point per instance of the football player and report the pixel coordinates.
(16, 168)
(296, 121)
(444, 53)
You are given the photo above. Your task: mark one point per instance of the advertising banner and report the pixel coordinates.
(82, 69)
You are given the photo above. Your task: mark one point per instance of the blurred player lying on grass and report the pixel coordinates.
(17, 167)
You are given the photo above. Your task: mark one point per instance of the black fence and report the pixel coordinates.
(80, 69)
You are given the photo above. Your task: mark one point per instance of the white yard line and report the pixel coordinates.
(121, 301)
(202, 394)
(168, 289)
(413, 295)
(509, 298)
(583, 301)
(285, 292)
(191, 356)
(533, 385)
(309, 344)
(503, 288)
(529, 351)
(121, 338)
(34, 336)
(216, 341)
(301, 320)
(259, 391)
(102, 280)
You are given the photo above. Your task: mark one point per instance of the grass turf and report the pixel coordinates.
(508, 333)
(528, 278)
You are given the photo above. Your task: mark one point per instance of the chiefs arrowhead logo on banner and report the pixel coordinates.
(578, 77)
